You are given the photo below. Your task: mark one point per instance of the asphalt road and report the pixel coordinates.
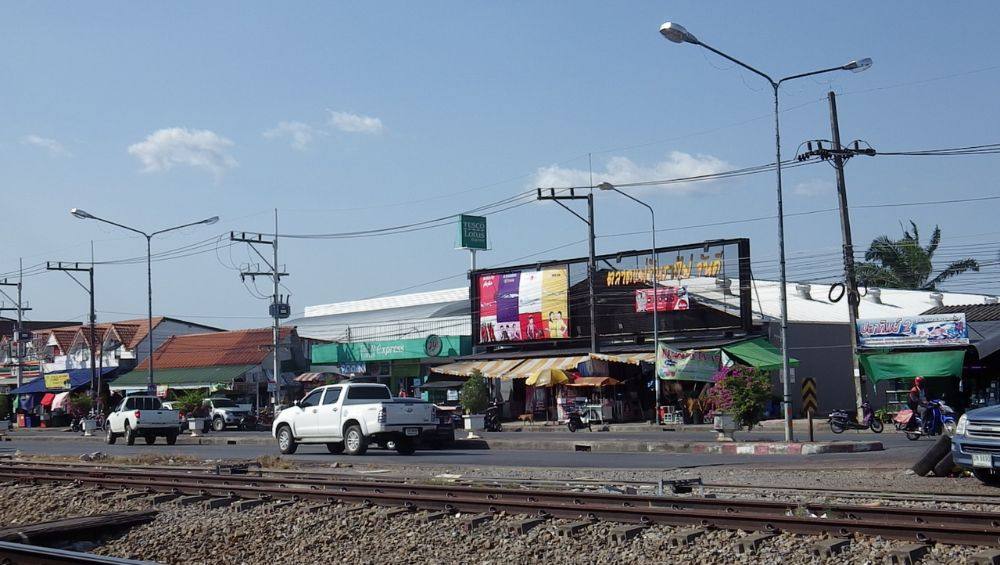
(897, 454)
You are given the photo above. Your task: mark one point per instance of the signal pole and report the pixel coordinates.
(69, 269)
(591, 262)
(279, 308)
(839, 155)
(19, 334)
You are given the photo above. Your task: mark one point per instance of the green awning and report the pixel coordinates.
(885, 365)
(758, 353)
(195, 377)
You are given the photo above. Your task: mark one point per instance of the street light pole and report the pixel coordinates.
(83, 215)
(678, 34)
(656, 274)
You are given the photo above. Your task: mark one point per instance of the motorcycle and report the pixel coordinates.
(576, 421)
(939, 418)
(841, 420)
(491, 420)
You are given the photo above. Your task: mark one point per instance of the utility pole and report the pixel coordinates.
(279, 308)
(69, 269)
(839, 155)
(19, 335)
(591, 262)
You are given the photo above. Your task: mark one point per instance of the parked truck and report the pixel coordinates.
(142, 416)
(976, 444)
(347, 418)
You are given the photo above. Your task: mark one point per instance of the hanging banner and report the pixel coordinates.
(914, 331)
(688, 365)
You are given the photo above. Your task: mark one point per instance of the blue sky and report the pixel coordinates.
(351, 116)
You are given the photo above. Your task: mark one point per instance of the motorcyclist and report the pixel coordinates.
(917, 399)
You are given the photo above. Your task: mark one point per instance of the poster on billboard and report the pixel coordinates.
(687, 365)
(524, 305)
(914, 331)
(668, 299)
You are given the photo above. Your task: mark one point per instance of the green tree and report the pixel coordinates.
(905, 263)
(191, 403)
(475, 398)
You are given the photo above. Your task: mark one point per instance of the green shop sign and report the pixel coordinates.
(472, 232)
(390, 350)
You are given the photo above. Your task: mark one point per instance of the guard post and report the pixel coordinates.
(809, 402)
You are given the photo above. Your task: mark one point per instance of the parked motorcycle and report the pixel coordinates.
(841, 420)
(939, 418)
(576, 421)
(491, 420)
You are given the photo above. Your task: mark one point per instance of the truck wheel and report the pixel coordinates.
(335, 448)
(171, 438)
(988, 477)
(110, 437)
(286, 441)
(218, 424)
(406, 447)
(129, 435)
(355, 442)
(150, 440)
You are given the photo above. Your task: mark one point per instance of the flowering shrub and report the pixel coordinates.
(740, 391)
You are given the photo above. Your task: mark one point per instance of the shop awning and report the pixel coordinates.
(460, 369)
(195, 377)
(530, 367)
(630, 358)
(441, 385)
(758, 353)
(61, 400)
(77, 378)
(889, 365)
(48, 398)
(547, 377)
(311, 377)
(594, 381)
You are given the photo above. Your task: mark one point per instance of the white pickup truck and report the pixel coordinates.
(348, 417)
(142, 416)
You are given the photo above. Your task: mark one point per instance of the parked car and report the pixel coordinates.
(976, 444)
(349, 417)
(142, 416)
(224, 413)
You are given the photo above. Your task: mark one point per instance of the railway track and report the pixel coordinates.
(940, 526)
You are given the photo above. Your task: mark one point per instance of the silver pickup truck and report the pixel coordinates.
(976, 444)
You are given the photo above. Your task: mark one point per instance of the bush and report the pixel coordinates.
(742, 392)
(80, 404)
(191, 403)
(475, 398)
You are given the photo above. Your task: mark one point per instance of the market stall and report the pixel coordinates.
(592, 396)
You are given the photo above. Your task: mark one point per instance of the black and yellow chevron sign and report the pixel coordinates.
(809, 400)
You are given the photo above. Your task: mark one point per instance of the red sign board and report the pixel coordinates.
(668, 298)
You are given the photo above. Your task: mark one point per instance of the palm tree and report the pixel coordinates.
(904, 263)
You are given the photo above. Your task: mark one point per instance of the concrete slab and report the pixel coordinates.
(473, 522)
(752, 543)
(244, 505)
(623, 534)
(526, 525)
(219, 502)
(907, 554)
(831, 547)
(685, 537)
(189, 500)
(434, 517)
(570, 530)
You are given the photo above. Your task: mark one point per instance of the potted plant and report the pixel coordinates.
(79, 407)
(738, 399)
(474, 400)
(192, 405)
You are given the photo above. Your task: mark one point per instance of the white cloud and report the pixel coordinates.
(53, 146)
(300, 134)
(202, 149)
(355, 123)
(813, 187)
(621, 170)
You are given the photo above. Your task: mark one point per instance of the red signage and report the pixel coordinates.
(668, 299)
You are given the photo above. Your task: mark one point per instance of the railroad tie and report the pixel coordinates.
(988, 557)
(526, 525)
(830, 547)
(244, 505)
(434, 517)
(685, 537)
(351, 509)
(623, 534)
(132, 495)
(398, 512)
(570, 530)
(907, 554)
(473, 522)
(282, 504)
(752, 543)
(189, 500)
(161, 498)
(218, 502)
(314, 508)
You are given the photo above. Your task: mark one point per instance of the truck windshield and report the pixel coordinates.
(223, 403)
(368, 393)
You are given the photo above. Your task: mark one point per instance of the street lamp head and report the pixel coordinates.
(210, 221)
(82, 214)
(605, 186)
(676, 33)
(858, 65)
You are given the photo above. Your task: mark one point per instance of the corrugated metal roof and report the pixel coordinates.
(387, 302)
(191, 377)
(242, 347)
(973, 312)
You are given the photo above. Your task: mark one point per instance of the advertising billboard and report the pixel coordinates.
(940, 330)
(524, 305)
(668, 298)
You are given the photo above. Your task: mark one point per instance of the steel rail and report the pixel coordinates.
(733, 506)
(618, 508)
(24, 554)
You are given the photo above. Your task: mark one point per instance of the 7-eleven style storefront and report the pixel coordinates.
(401, 364)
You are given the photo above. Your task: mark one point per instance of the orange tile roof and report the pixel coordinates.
(242, 347)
